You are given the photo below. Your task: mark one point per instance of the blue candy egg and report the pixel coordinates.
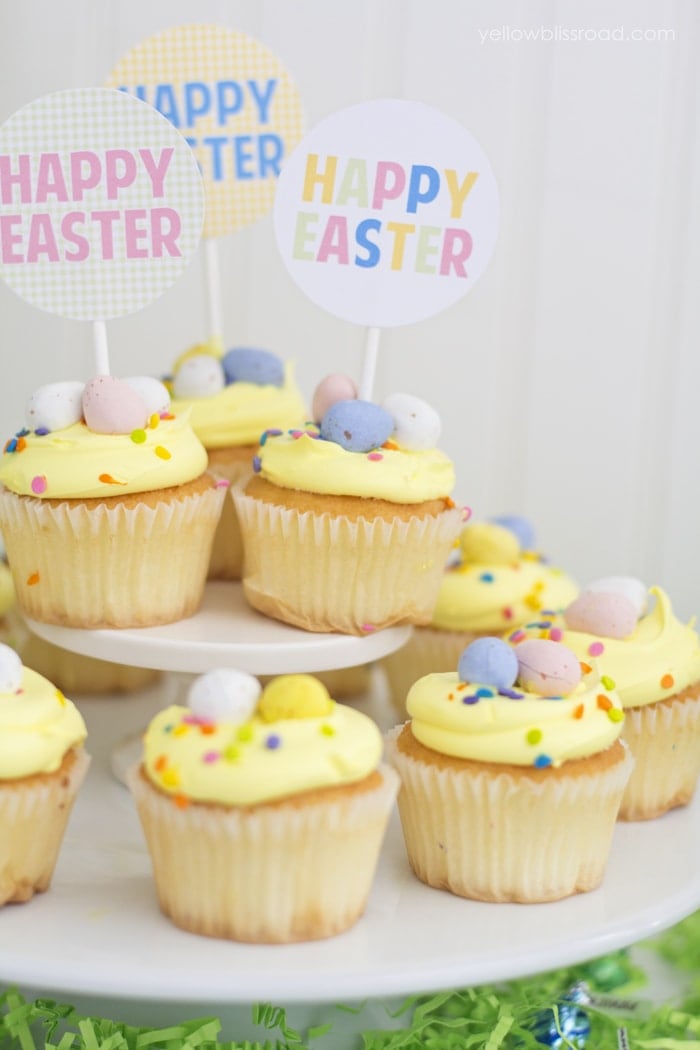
(359, 426)
(522, 528)
(488, 661)
(247, 365)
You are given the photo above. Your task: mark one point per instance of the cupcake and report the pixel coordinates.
(263, 813)
(42, 765)
(499, 761)
(654, 662)
(494, 580)
(106, 507)
(231, 399)
(348, 523)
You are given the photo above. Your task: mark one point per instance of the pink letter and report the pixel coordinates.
(69, 221)
(388, 190)
(106, 221)
(50, 179)
(85, 172)
(134, 233)
(22, 178)
(8, 238)
(114, 160)
(165, 230)
(41, 238)
(334, 240)
(456, 248)
(156, 172)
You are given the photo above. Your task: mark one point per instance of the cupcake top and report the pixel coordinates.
(238, 746)
(526, 706)
(363, 449)
(648, 654)
(37, 724)
(232, 397)
(497, 580)
(106, 437)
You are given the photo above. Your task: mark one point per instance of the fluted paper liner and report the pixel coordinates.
(324, 572)
(664, 738)
(287, 872)
(97, 566)
(500, 837)
(34, 812)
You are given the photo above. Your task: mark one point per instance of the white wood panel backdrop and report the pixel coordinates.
(567, 380)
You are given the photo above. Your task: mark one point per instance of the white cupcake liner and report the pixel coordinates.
(90, 565)
(293, 871)
(500, 837)
(327, 572)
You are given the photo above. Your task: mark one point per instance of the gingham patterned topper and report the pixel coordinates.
(101, 203)
(233, 101)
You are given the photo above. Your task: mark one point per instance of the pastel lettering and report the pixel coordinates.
(459, 191)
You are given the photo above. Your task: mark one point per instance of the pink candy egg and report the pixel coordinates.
(547, 668)
(605, 614)
(111, 406)
(335, 387)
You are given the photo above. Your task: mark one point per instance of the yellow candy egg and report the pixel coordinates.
(485, 543)
(294, 696)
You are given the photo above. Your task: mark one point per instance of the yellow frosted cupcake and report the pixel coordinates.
(347, 525)
(232, 398)
(500, 760)
(106, 507)
(495, 579)
(42, 765)
(654, 662)
(263, 813)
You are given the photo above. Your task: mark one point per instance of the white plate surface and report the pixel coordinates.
(226, 632)
(98, 930)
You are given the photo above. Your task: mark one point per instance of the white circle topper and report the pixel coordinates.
(386, 213)
(101, 203)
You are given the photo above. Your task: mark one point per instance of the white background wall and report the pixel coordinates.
(567, 379)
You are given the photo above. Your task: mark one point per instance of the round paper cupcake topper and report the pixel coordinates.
(101, 203)
(386, 213)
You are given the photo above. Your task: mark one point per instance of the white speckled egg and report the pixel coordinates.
(154, 394)
(417, 426)
(600, 613)
(111, 406)
(10, 670)
(224, 695)
(55, 406)
(334, 387)
(547, 668)
(199, 376)
(632, 588)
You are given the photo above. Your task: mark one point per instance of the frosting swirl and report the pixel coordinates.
(303, 460)
(466, 720)
(37, 727)
(241, 764)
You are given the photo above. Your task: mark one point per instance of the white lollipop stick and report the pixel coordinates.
(212, 280)
(99, 337)
(369, 365)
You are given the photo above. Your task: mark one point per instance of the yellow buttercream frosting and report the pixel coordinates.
(659, 658)
(38, 725)
(529, 731)
(238, 414)
(257, 761)
(77, 463)
(304, 461)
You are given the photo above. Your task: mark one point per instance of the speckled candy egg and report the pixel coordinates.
(249, 365)
(153, 393)
(10, 670)
(488, 661)
(55, 406)
(601, 613)
(520, 526)
(334, 387)
(484, 543)
(199, 376)
(111, 406)
(294, 696)
(547, 668)
(417, 426)
(224, 695)
(359, 426)
(632, 588)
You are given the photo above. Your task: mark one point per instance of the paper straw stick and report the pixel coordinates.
(99, 339)
(369, 364)
(212, 280)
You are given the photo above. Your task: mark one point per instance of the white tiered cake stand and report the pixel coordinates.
(99, 932)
